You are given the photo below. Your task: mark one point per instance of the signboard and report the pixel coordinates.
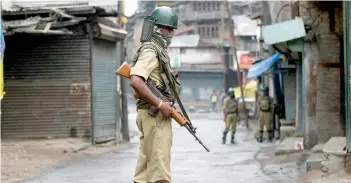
(245, 61)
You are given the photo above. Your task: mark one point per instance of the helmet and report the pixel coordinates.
(162, 16)
(231, 92)
(265, 88)
(165, 16)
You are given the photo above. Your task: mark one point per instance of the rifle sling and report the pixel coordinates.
(171, 81)
(166, 68)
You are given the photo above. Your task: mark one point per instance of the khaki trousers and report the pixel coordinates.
(230, 122)
(265, 118)
(155, 148)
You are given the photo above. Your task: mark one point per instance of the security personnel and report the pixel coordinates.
(231, 115)
(265, 118)
(151, 64)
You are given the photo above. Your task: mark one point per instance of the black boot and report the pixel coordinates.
(224, 137)
(232, 139)
(260, 137)
(270, 136)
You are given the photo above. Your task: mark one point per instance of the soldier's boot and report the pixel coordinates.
(270, 136)
(260, 137)
(232, 141)
(224, 137)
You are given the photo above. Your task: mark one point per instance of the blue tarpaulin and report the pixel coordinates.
(261, 67)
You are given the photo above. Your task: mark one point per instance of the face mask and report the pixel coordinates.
(168, 38)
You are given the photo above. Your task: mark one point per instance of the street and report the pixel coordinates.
(190, 162)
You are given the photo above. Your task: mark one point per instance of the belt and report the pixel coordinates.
(232, 112)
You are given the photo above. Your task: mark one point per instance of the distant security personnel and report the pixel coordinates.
(265, 118)
(231, 115)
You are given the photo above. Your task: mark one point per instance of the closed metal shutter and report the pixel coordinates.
(47, 85)
(104, 88)
(200, 85)
(290, 94)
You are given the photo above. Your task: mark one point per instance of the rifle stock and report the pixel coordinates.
(124, 70)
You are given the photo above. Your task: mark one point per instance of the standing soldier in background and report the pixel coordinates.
(231, 115)
(265, 118)
(151, 64)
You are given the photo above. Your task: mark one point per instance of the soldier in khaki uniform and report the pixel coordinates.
(265, 118)
(231, 115)
(151, 64)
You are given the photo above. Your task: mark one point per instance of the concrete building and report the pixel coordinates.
(321, 85)
(202, 58)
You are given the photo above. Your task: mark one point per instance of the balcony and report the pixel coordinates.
(203, 15)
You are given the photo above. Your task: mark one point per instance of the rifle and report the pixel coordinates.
(124, 71)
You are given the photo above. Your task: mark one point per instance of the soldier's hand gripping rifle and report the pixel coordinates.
(124, 71)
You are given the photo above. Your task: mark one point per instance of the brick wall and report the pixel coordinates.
(328, 77)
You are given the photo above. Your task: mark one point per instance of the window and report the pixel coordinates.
(206, 6)
(212, 31)
(216, 31)
(218, 6)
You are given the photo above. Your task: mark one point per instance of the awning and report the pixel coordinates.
(261, 67)
(249, 90)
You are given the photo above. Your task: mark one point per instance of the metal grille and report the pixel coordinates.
(104, 88)
(47, 84)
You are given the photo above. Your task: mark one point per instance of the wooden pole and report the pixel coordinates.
(231, 26)
(124, 85)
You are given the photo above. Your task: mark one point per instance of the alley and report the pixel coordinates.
(190, 162)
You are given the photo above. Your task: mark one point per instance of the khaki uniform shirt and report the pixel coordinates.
(147, 66)
(225, 103)
(264, 100)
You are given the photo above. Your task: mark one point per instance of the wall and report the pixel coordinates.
(328, 76)
(199, 55)
(310, 61)
(321, 72)
(299, 121)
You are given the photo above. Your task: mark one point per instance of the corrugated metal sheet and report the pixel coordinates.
(47, 85)
(35, 5)
(104, 88)
(63, 3)
(283, 31)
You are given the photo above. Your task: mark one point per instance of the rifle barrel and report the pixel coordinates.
(203, 145)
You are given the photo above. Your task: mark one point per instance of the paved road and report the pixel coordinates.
(190, 162)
